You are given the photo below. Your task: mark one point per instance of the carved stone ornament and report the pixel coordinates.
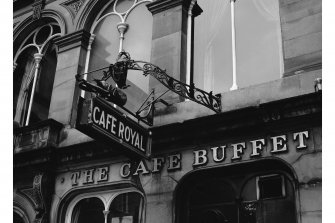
(38, 6)
(73, 6)
(35, 195)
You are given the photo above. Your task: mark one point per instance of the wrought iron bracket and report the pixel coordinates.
(118, 72)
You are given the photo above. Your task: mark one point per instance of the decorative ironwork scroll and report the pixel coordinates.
(118, 72)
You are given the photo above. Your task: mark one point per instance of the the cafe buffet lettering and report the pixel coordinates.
(220, 154)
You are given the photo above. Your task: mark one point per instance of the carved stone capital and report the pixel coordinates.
(73, 40)
(38, 6)
(37, 196)
(38, 57)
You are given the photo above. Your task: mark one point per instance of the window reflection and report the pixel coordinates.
(258, 44)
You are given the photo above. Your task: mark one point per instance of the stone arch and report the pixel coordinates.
(28, 25)
(59, 211)
(21, 213)
(89, 13)
(267, 164)
(24, 208)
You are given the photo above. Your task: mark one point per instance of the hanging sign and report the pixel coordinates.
(101, 121)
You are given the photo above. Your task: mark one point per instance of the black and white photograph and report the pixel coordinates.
(165, 111)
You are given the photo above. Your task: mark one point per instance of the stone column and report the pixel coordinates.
(72, 50)
(169, 42)
(105, 212)
(38, 57)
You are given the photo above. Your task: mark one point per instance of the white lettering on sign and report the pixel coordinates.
(301, 137)
(238, 150)
(216, 152)
(200, 157)
(118, 128)
(257, 147)
(279, 144)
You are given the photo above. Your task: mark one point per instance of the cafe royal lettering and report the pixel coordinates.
(117, 128)
(278, 144)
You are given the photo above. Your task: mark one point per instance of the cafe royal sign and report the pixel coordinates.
(98, 118)
(101, 121)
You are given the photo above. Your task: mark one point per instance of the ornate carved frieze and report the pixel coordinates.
(73, 6)
(37, 197)
(38, 6)
(42, 135)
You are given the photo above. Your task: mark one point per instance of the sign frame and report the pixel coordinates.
(86, 123)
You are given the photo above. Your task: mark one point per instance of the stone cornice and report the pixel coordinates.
(163, 5)
(302, 111)
(73, 40)
(41, 135)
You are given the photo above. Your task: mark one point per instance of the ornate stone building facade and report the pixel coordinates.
(251, 154)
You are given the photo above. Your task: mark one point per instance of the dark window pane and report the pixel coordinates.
(211, 192)
(17, 218)
(88, 210)
(126, 208)
(270, 187)
(43, 34)
(22, 84)
(249, 190)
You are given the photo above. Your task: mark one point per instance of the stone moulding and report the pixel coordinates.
(163, 5)
(42, 135)
(72, 40)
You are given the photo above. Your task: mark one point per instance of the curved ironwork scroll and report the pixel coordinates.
(118, 72)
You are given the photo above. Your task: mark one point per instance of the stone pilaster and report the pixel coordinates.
(169, 37)
(301, 31)
(72, 50)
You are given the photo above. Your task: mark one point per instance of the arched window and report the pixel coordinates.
(258, 41)
(123, 25)
(34, 71)
(114, 207)
(260, 192)
(126, 208)
(88, 210)
(18, 218)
